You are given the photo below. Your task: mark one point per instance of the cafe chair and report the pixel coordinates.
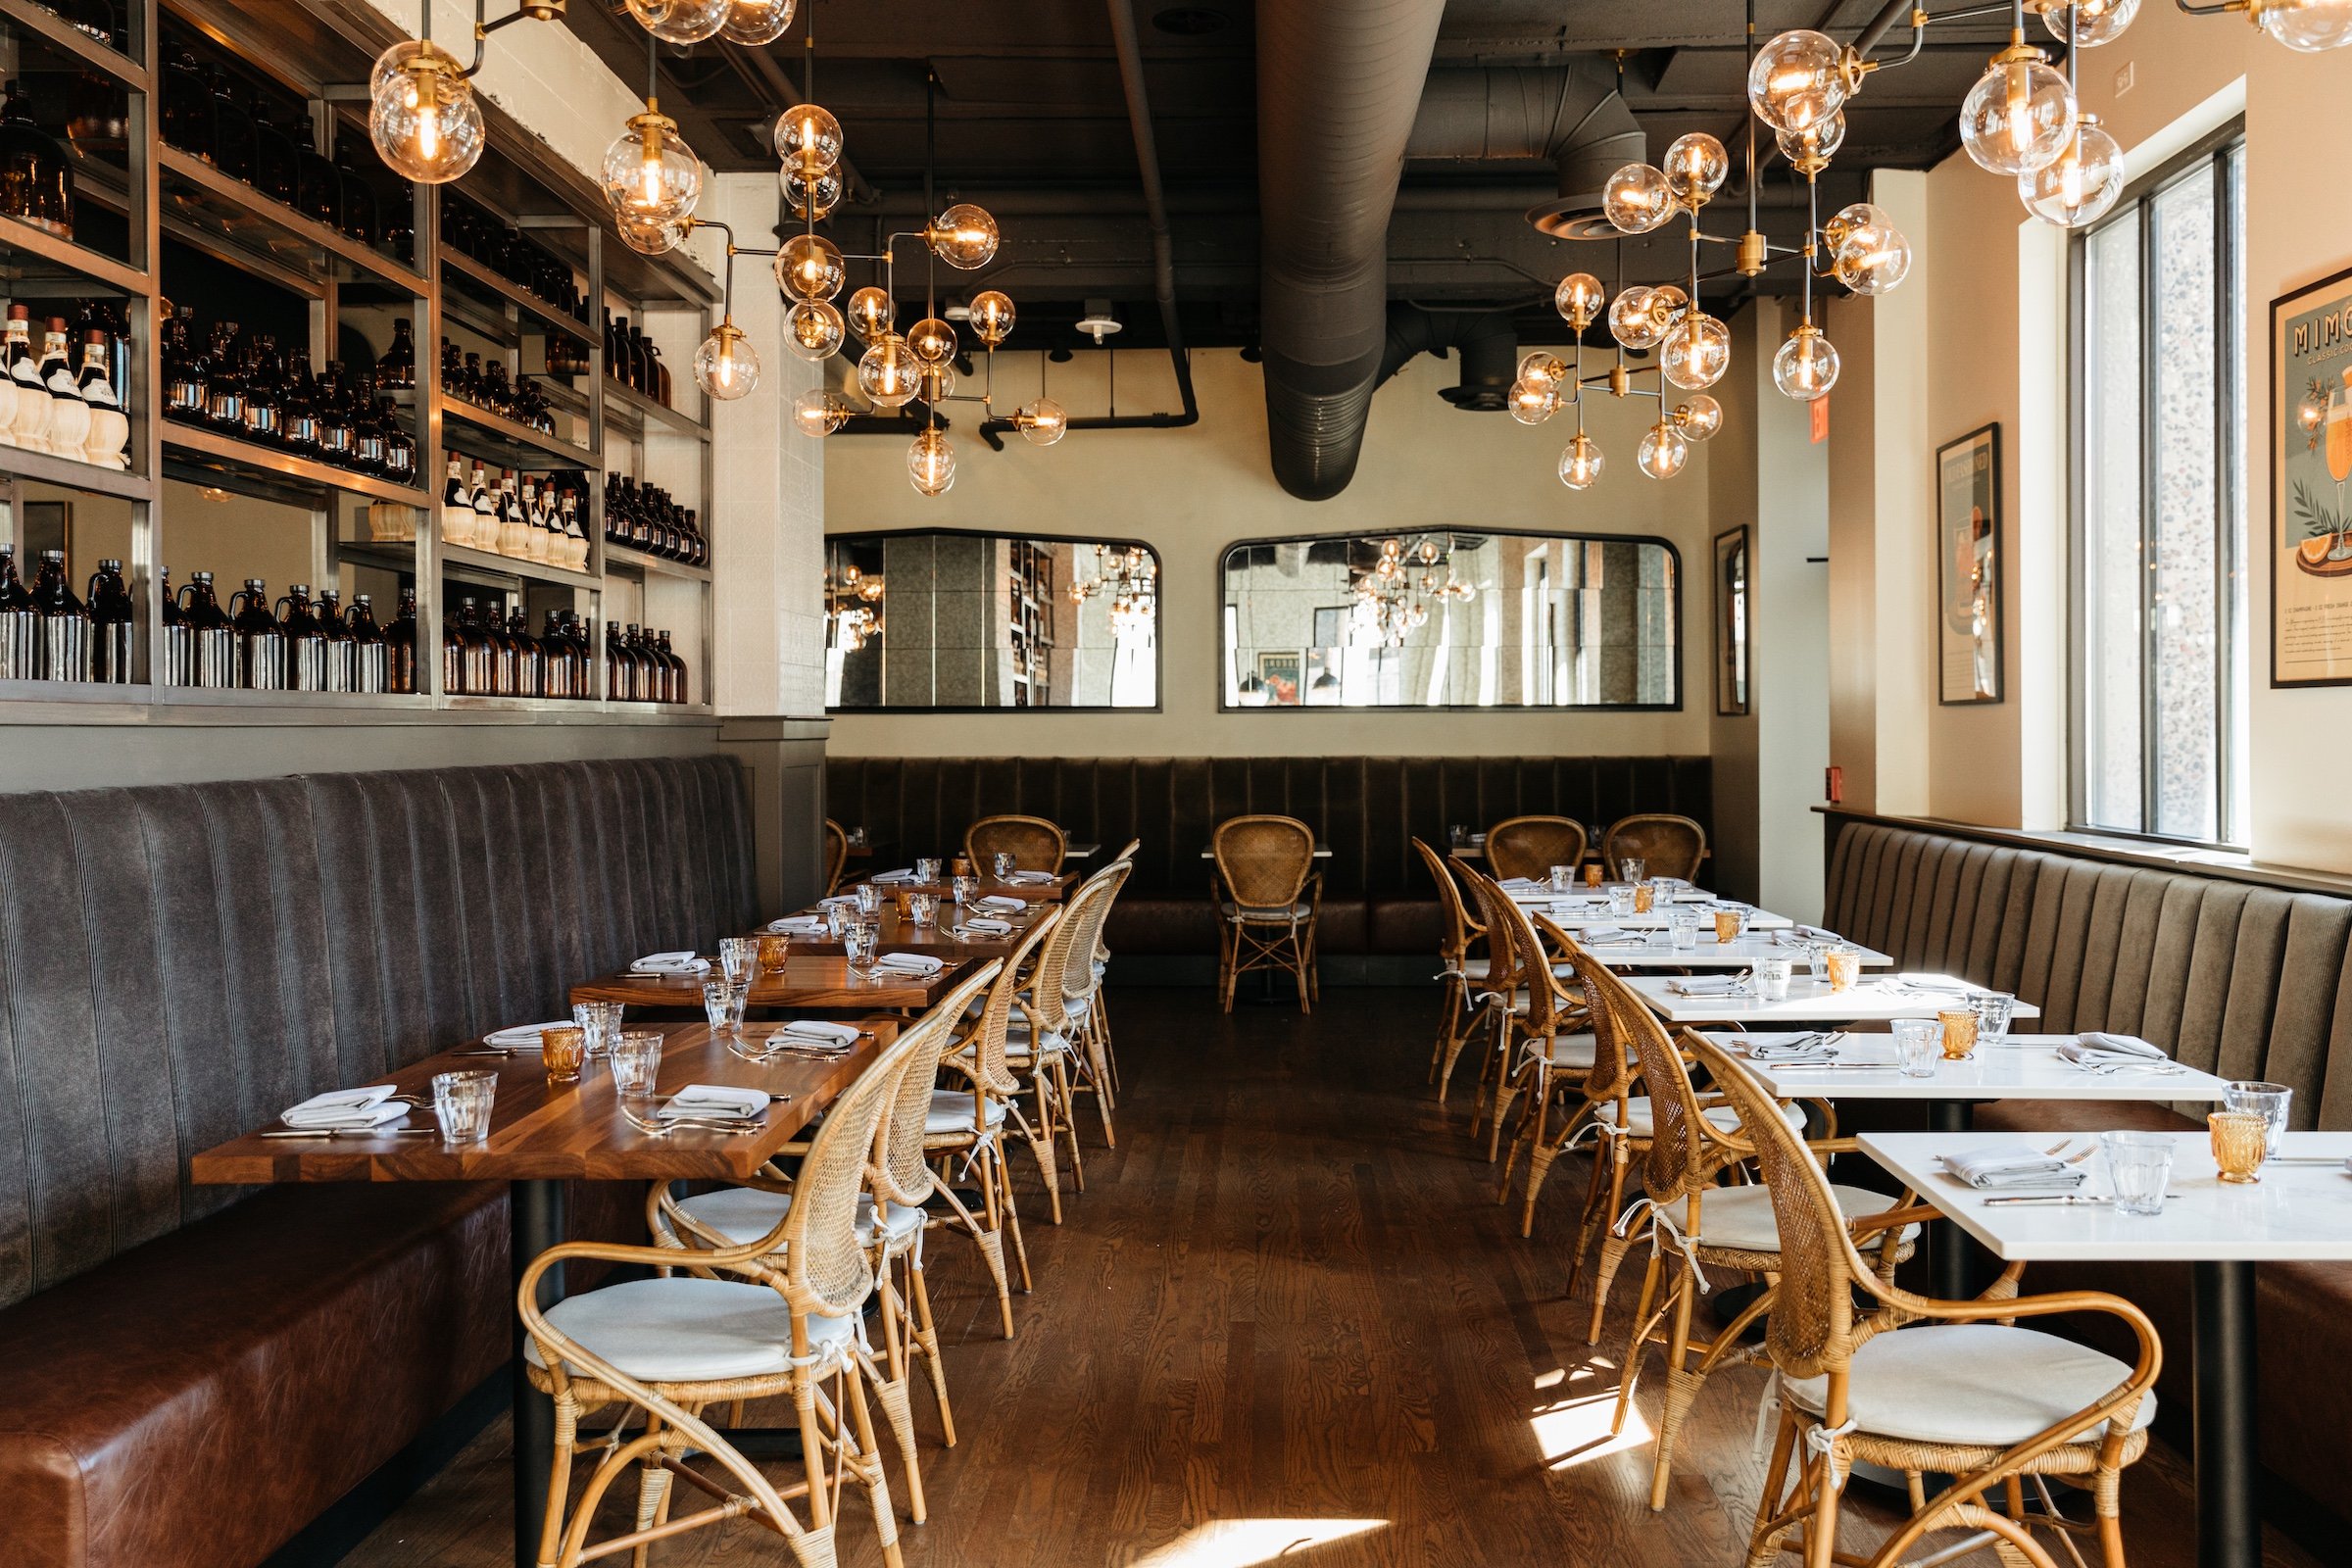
(1558, 1050)
(1269, 896)
(837, 855)
(1457, 969)
(1081, 996)
(777, 1316)
(1534, 1021)
(987, 1054)
(1670, 845)
(1531, 846)
(1034, 843)
(1954, 1390)
(1110, 1058)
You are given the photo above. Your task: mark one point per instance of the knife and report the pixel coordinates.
(352, 1132)
(2061, 1200)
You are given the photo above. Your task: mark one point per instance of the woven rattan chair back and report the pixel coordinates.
(1612, 1073)
(1069, 950)
(1531, 846)
(1678, 1162)
(988, 1034)
(1672, 845)
(837, 854)
(1034, 843)
(900, 1171)
(1503, 951)
(1531, 966)
(1264, 860)
(825, 1270)
(1454, 942)
(1078, 980)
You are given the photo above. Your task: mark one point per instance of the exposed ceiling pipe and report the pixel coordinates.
(1570, 115)
(1338, 86)
(1487, 340)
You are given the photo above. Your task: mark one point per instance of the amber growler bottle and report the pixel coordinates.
(400, 646)
(113, 616)
(260, 638)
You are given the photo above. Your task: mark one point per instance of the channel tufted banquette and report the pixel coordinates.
(1376, 894)
(2240, 979)
(195, 1373)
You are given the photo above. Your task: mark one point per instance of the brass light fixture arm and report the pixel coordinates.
(526, 11)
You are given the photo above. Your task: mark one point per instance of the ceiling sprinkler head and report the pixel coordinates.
(1098, 322)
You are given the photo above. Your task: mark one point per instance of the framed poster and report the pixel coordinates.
(2310, 457)
(1279, 673)
(1731, 622)
(1968, 571)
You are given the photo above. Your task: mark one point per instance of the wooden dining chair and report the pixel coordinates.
(1269, 897)
(1954, 1390)
(1670, 845)
(1458, 967)
(1531, 846)
(1537, 1023)
(837, 855)
(773, 1317)
(1034, 843)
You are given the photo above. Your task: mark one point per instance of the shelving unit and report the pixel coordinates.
(1029, 587)
(180, 219)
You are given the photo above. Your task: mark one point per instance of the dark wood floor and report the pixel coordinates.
(1286, 1317)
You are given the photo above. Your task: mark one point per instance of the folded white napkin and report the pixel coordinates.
(839, 899)
(1692, 894)
(916, 963)
(998, 900)
(904, 874)
(1032, 878)
(817, 1031)
(2095, 1048)
(2011, 1166)
(713, 1099)
(1796, 936)
(1785, 1049)
(521, 1036)
(799, 925)
(988, 925)
(1602, 936)
(1670, 883)
(1708, 986)
(1939, 984)
(670, 963)
(338, 1108)
(1523, 884)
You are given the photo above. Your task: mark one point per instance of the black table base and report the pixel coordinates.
(2228, 1459)
(535, 1223)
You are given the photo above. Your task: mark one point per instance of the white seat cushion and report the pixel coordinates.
(1741, 1217)
(1480, 968)
(686, 1330)
(1272, 911)
(1983, 1384)
(1724, 1117)
(744, 1214)
(1574, 1050)
(1018, 1042)
(952, 1111)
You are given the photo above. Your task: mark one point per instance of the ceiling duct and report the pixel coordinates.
(1487, 340)
(1570, 115)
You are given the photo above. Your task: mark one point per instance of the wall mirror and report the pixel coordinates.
(1453, 619)
(945, 620)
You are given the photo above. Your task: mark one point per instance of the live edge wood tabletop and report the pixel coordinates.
(546, 1132)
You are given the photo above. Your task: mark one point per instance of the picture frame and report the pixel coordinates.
(1970, 670)
(1734, 609)
(1281, 671)
(2310, 525)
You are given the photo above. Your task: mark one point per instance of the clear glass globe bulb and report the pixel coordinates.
(1634, 319)
(1810, 150)
(811, 197)
(1042, 422)
(649, 174)
(2088, 23)
(933, 382)
(1799, 77)
(1696, 166)
(681, 21)
(932, 340)
(1532, 402)
(2018, 116)
(809, 267)
(1806, 367)
(963, 236)
(872, 313)
(1876, 257)
(1581, 463)
(990, 316)
(2307, 27)
(1543, 365)
(1698, 417)
(422, 114)
(1638, 199)
(888, 372)
(1698, 351)
(931, 463)
(1663, 451)
(2082, 186)
(814, 330)
(1845, 221)
(808, 138)
(756, 22)
(1579, 299)
(725, 365)
(819, 412)
(652, 237)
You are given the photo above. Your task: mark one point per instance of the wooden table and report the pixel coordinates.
(810, 982)
(938, 939)
(1027, 892)
(540, 1136)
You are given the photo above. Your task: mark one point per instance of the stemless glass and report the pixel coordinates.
(922, 909)
(839, 917)
(967, 888)
(462, 1103)
(774, 948)
(1959, 1032)
(926, 870)
(1621, 900)
(602, 1022)
(1683, 930)
(737, 956)
(1769, 979)
(1994, 1010)
(1844, 966)
(1633, 868)
(2239, 1138)
(862, 944)
(1645, 896)
(870, 899)
(2139, 1166)
(723, 1002)
(1591, 873)
(562, 1050)
(2269, 1102)
(636, 1060)
(856, 838)
(1918, 1046)
(1563, 877)
(1727, 924)
(1001, 862)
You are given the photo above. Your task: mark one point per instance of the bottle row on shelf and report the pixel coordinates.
(525, 522)
(635, 361)
(247, 388)
(301, 643)
(501, 249)
(519, 398)
(646, 518)
(50, 404)
(483, 656)
(48, 632)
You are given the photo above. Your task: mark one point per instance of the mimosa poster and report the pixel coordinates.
(2311, 507)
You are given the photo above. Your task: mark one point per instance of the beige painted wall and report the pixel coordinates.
(1192, 492)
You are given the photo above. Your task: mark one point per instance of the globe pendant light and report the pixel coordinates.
(991, 315)
(1663, 451)
(1042, 422)
(931, 463)
(2306, 27)
(1698, 417)
(888, 374)
(1800, 78)
(650, 174)
(1638, 198)
(814, 330)
(652, 237)
(872, 313)
(2085, 23)
(1532, 402)
(681, 21)
(932, 340)
(809, 139)
(963, 236)
(2082, 184)
(1579, 299)
(1810, 150)
(423, 115)
(1637, 316)
(1695, 168)
(809, 267)
(1543, 366)
(2020, 114)
(725, 365)
(1698, 351)
(756, 22)
(1806, 367)
(1876, 256)
(819, 412)
(1581, 463)
(811, 197)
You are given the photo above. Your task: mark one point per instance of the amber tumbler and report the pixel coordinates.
(562, 1048)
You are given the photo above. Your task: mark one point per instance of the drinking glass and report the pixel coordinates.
(922, 909)
(870, 899)
(1994, 1010)
(1456, 835)
(1591, 873)
(774, 948)
(967, 888)
(1563, 877)
(839, 917)
(1844, 967)
(2139, 1165)
(563, 1051)
(1959, 1032)
(462, 1103)
(1621, 900)
(723, 1002)
(961, 867)
(926, 870)
(1633, 867)
(1001, 862)
(601, 1021)
(862, 944)
(1727, 924)
(856, 838)
(2239, 1143)
(1918, 1044)
(1645, 896)
(737, 956)
(1769, 979)
(636, 1060)
(1683, 930)
(2267, 1101)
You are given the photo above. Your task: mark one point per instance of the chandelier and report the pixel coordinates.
(1129, 578)
(851, 608)
(421, 112)
(1396, 593)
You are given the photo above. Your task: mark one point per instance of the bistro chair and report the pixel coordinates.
(1034, 843)
(1457, 970)
(1101, 1014)
(773, 1317)
(1954, 1390)
(989, 1057)
(1672, 845)
(837, 855)
(1531, 846)
(1051, 1033)
(1533, 1017)
(1269, 896)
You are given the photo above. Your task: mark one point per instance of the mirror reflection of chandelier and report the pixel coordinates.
(852, 614)
(1395, 594)
(1130, 577)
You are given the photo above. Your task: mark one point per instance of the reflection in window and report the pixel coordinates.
(1451, 619)
(963, 621)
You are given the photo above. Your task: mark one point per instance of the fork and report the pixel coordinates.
(663, 1127)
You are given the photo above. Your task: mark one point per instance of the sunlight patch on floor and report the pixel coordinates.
(1576, 1431)
(1244, 1542)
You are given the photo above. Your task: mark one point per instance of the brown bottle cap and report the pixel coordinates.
(57, 324)
(20, 313)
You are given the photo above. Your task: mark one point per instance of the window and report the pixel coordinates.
(2159, 475)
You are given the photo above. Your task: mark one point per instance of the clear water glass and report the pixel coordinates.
(1563, 878)
(738, 957)
(1994, 1010)
(462, 1103)
(1456, 835)
(967, 890)
(1003, 863)
(862, 944)
(723, 1002)
(2139, 1167)
(1683, 930)
(926, 868)
(1769, 978)
(2271, 1101)
(637, 1060)
(1633, 868)
(869, 899)
(839, 917)
(1621, 900)
(601, 1020)
(922, 909)
(1918, 1047)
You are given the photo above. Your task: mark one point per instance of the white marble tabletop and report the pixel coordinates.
(1571, 910)
(1655, 952)
(2013, 1067)
(1875, 1001)
(2297, 1210)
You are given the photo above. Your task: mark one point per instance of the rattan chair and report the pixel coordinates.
(775, 1317)
(837, 855)
(1007, 1046)
(1067, 1009)
(1034, 843)
(1457, 969)
(1102, 1016)
(1672, 846)
(1531, 846)
(1695, 1223)
(1962, 1392)
(1536, 1023)
(1269, 897)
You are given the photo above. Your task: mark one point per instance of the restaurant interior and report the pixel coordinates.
(1584, 831)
